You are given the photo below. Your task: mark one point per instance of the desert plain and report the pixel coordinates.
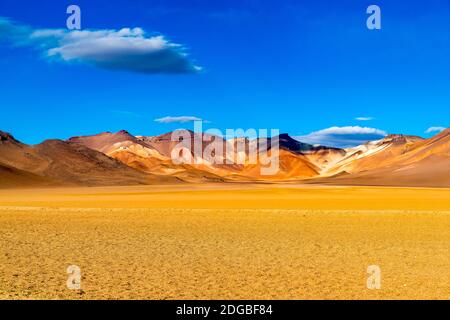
(225, 241)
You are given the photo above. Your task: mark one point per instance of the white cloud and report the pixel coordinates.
(124, 49)
(180, 119)
(435, 129)
(364, 118)
(343, 137)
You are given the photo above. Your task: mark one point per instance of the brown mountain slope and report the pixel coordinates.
(14, 178)
(162, 143)
(165, 145)
(68, 163)
(107, 142)
(324, 157)
(292, 166)
(429, 172)
(401, 162)
(439, 146)
(165, 167)
(373, 155)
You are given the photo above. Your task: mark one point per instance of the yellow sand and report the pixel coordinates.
(225, 241)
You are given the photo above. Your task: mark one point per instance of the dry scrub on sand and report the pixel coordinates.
(225, 241)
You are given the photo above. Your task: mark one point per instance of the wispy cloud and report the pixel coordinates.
(124, 49)
(435, 129)
(364, 118)
(343, 137)
(180, 119)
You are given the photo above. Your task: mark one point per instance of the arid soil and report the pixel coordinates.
(225, 242)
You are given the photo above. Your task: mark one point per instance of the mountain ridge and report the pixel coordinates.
(121, 158)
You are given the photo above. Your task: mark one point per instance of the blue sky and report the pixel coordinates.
(299, 66)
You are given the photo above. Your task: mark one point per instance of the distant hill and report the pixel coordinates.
(396, 160)
(124, 159)
(56, 162)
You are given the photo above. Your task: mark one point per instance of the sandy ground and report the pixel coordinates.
(225, 241)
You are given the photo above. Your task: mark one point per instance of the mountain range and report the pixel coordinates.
(124, 159)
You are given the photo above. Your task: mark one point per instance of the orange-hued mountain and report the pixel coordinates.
(153, 154)
(11, 177)
(146, 154)
(397, 160)
(124, 159)
(56, 162)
